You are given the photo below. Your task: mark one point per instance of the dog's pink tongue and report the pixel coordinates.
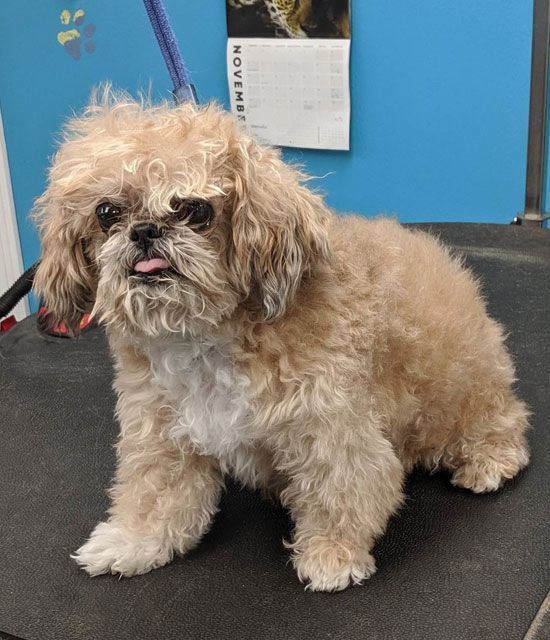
(155, 264)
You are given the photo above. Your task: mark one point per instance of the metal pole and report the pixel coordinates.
(536, 144)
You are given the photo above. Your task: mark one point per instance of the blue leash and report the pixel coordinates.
(183, 91)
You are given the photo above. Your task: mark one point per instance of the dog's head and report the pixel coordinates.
(167, 219)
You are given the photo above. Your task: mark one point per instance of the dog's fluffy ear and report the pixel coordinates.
(279, 226)
(65, 278)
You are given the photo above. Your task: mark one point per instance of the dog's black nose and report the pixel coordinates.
(144, 233)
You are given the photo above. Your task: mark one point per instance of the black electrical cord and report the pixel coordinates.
(18, 289)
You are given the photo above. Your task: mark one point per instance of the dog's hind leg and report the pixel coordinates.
(491, 449)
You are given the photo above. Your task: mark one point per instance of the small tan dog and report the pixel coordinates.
(256, 334)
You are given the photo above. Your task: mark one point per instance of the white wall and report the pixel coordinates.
(11, 264)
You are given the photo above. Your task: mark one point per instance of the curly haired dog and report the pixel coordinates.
(256, 334)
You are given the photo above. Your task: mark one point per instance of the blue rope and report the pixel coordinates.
(183, 91)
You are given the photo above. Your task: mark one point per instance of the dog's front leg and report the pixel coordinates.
(164, 496)
(345, 483)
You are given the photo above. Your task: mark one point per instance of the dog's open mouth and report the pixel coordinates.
(152, 268)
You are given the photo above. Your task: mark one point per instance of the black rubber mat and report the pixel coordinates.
(452, 565)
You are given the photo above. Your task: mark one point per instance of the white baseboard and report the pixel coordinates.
(11, 263)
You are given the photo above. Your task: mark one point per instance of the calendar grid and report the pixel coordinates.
(292, 92)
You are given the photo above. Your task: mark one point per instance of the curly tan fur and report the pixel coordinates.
(317, 357)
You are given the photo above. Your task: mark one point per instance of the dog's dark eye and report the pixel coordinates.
(198, 213)
(107, 214)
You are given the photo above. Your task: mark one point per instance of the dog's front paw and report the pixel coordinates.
(112, 549)
(331, 567)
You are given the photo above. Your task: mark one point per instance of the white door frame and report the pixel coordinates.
(11, 262)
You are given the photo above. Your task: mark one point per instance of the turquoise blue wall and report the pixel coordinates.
(440, 94)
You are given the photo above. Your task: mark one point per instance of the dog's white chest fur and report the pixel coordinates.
(210, 397)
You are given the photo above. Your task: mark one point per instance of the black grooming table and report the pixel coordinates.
(452, 565)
